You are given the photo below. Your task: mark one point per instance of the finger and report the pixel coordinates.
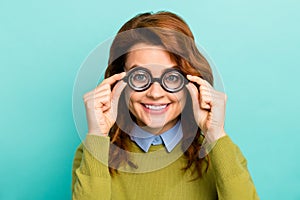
(106, 83)
(116, 93)
(213, 97)
(97, 95)
(102, 88)
(204, 99)
(205, 88)
(207, 95)
(99, 104)
(116, 77)
(102, 102)
(198, 80)
(205, 102)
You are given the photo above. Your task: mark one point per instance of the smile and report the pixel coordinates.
(155, 107)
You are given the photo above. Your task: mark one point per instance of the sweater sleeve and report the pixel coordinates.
(90, 174)
(233, 180)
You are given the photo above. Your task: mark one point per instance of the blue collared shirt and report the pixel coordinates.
(144, 139)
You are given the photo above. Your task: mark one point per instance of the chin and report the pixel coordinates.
(154, 123)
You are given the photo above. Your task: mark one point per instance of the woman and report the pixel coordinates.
(156, 124)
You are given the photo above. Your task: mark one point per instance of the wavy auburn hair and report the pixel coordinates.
(169, 31)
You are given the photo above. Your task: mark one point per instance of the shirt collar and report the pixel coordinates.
(144, 139)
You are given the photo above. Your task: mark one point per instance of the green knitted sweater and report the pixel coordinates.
(227, 177)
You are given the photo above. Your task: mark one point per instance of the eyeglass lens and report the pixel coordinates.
(140, 79)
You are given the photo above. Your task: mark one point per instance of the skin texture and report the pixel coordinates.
(209, 108)
(101, 105)
(208, 104)
(154, 121)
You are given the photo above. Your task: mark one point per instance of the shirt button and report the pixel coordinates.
(157, 140)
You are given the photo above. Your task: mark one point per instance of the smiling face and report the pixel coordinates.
(155, 109)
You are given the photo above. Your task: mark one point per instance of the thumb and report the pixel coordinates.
(116, 93)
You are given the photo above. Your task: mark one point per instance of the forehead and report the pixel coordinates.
(154, 58)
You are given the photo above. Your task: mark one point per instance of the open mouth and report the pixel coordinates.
(156, 107)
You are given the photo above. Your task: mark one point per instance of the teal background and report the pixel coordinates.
(254, 44)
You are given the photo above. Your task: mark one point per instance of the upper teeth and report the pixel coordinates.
(156, 107)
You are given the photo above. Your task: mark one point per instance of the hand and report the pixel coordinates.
(209, 108)
(101, 105)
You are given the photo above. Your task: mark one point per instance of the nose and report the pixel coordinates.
(155, 91)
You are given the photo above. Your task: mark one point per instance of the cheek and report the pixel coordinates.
(131, 98)
(180, 98)
(128, 100)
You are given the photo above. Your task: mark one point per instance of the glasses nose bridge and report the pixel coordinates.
(158, 80)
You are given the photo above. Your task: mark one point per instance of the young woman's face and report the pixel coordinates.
(155, 109)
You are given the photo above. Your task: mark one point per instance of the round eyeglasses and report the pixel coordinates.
(140, 79)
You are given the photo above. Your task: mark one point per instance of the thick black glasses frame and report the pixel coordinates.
(152, 80)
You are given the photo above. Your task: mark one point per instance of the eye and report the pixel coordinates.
(140, 77)
(172, 78)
